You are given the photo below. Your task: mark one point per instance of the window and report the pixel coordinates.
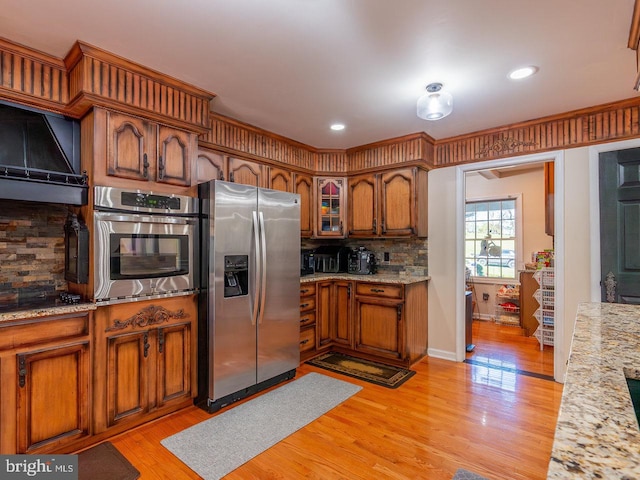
(490, 238)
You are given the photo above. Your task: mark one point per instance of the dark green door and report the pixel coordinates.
(620, 226)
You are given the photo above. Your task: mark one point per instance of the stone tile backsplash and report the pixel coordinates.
(407, 256)
(31, 250)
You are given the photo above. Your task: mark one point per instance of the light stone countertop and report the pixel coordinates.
(378, 277)
(597, 434)
(45, 311)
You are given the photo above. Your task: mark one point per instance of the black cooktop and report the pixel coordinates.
(44, 301)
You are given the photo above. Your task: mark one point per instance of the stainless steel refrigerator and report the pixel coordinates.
(249, 328)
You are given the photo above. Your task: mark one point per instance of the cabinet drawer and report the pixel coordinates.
(23, 333)
(379, 289)
(307, 289)
(307, 339)
(308, 318)
(307, 304)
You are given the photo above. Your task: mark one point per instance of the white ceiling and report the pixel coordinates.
(294, 67)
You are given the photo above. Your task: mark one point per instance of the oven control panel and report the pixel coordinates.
(121, 200)
(135, 199)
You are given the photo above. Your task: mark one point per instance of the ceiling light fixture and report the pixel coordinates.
(435, 104)
(337, 127)
(523, 72)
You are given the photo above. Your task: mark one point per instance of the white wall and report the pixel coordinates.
(443, 263)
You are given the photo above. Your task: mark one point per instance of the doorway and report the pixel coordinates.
(498, 338)
(506, 230)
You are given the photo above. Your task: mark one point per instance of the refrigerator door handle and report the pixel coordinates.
(256, 297)
(263, 267)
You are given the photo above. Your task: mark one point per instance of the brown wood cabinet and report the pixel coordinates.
(528, 304)
(331, 207)
(129, 150)
(304, 187)
(144, 360)
(307, 320)
(45, 402)
(281, 179)
(335, 314)
(379, 323)
(388, 204)
(390, 322)
(213, 165)
(549, 209)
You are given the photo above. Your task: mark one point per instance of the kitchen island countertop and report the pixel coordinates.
(597, 433)
(378, 277)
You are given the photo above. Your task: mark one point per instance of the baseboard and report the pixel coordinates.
(443, 354)
(483, 316)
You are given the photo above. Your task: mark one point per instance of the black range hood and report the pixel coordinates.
(40, 157)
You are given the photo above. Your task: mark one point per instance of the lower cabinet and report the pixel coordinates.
(384, 322)
(379, 327)
(145, 361)
(334, 314)
(45, 401)
(307, 320)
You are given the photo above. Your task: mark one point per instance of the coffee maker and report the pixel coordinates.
(362, 262)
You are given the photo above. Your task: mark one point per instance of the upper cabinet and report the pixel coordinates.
(388, 204)
(331, 205)
(548, 198)
(212, 165)
(129, 150)
(304, 188)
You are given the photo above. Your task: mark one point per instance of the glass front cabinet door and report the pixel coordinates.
(332, 208)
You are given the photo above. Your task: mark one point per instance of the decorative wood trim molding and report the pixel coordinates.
(416, 148)
(31, 77)
(148, 316)
(231, 135)
(600, 124)
(97, 77)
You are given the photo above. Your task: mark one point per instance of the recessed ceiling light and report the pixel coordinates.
(523, 72)
(337, 127)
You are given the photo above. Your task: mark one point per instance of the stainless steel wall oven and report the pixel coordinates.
(145, 245)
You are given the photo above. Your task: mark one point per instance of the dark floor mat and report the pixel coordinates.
(105, 462)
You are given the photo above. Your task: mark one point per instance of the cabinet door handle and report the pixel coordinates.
(304, 341)
(341, 229)
(302, 320)
(302, 292)
(375, 224)
(348, 291)
(384, 230)
(304, 305)
(160, 168)
(146, 344)
(221, 176)
(378, 290)
(160, 340)
(399, 310)
(231, 177)
(22, 370)
(145, 166)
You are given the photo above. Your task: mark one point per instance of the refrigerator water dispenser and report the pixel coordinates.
(236, 275)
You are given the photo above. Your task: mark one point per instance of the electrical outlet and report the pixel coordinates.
(485, 297)
(386, 257)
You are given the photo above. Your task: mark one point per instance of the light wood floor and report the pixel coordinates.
(448, 416)
(506, 346)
